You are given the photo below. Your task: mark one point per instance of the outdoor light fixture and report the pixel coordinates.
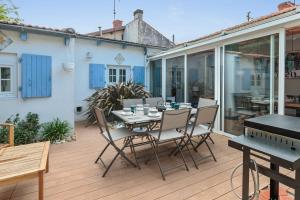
(89, 56)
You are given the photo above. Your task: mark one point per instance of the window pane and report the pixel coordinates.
(247, 82)
(200, 68)
(175, 77)
(5, 86)
(5, 73)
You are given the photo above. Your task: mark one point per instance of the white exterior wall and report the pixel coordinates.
(61, 102)
(105, 53)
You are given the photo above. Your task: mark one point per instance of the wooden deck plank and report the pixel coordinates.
(73, 175)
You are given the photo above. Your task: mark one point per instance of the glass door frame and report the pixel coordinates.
(220, 75)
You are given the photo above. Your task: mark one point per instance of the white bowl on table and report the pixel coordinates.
(153, 112)
(126, 111)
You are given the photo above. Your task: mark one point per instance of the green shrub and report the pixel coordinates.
(111, 98)
(26, 130)
(3, 135)
(55, 130)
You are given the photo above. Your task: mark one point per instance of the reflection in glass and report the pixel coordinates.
(5, 73)
(5, 86)
(155, 78)
(246, 82)
(175, 79)
(292, 72)
(200, 69)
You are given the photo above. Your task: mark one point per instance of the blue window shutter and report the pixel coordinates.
(139, 75)
(36, 75)
(97, 76)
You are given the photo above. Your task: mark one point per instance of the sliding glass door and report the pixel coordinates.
(200, 76)
(249, 77)
(175, 79)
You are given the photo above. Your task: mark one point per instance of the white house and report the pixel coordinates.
(251, 69)
(51, 72)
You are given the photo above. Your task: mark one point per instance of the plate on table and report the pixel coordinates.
(126, 113)
(154, 115)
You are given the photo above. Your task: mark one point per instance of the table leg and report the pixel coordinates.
(274, 185)
(297, 188)
(41, 185)
(246, 166)
(297, 112)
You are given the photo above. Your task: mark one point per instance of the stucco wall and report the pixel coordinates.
(117, 35)
(141, 32)
(61, 103)
(105, 53)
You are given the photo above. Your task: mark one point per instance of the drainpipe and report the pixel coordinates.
(147, 72)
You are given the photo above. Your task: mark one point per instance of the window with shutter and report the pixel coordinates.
(97, 76)
(36, 73)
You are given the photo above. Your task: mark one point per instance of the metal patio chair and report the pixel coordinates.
(172, 121)
(111, 136)
(201, 128)
(203, 102)
(128, 102)
(154, 101)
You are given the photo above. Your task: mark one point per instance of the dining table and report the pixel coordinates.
(138, 119)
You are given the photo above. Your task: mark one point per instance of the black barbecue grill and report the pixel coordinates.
(278, 138)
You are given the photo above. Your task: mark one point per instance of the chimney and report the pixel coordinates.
(100, 31)
(138, 14)
(285, 5)
(117, 23)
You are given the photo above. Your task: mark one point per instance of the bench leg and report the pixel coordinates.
(47, 165)
(41, 185)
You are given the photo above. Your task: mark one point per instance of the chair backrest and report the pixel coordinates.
(206, 102)
(206, 116)
(102, 123)
(128, 102)
(174, 119)
(154, 101)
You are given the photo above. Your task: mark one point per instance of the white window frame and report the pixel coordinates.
(118, 68)
(112, 75)
(11, 92)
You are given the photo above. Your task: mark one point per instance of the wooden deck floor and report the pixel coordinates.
(73, 175)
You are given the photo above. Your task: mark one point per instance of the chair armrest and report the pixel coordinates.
(11, 136)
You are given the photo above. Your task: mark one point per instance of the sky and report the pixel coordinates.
(186, 19)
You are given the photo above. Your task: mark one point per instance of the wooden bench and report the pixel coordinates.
(10, 128)
(18, 163)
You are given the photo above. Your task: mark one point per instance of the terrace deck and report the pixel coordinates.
(73, 175)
